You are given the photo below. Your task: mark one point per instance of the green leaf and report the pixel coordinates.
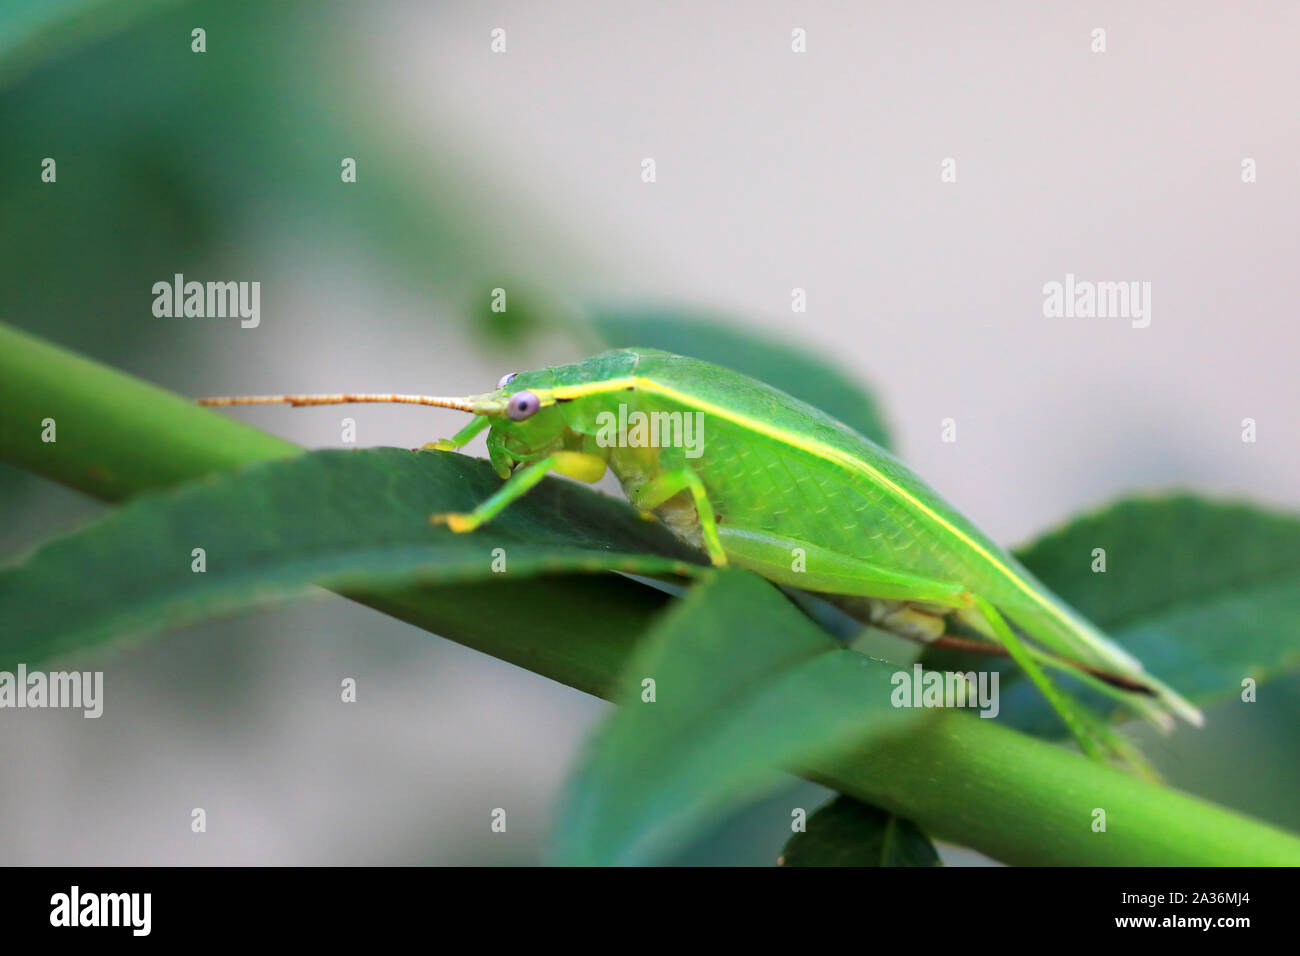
(809, 378)
(347, 520)
(1204, 593)
(846, 832)
(744, 685)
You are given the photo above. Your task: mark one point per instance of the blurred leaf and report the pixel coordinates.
(37, 30)
(809, 378)
(516, 311)
(339, 519)
(744, 685)
(1204, 593)
(848, 833)
(238, 150)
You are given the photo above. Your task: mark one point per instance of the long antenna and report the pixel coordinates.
(342, 398)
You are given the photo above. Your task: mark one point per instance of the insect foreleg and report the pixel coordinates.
(658, 490)
(461, 438)
(574, 464)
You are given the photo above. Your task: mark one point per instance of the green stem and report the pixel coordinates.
(1024, 801)
(115, 435)
(1012, 796)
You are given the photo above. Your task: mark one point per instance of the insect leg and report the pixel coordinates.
(461, 438)
(658, 490)
(1096, 738)
(574, 464)
(1137, 694)
(833, 573)
(802, 564)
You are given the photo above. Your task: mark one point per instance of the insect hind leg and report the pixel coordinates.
(801, 564)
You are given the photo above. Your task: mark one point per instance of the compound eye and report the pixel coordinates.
(506, 379)
(522, 405)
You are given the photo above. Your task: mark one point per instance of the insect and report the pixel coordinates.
(760, 480)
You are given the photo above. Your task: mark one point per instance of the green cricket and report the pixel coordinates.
(758, 479)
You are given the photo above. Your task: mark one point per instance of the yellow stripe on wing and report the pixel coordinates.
(819, 450)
